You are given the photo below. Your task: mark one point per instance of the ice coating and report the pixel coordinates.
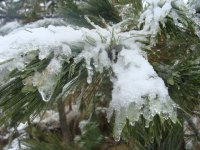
(21, 46)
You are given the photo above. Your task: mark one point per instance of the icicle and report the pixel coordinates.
(46, 81)
(90, 74)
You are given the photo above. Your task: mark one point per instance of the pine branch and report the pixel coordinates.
(95, 10)
(96, 53)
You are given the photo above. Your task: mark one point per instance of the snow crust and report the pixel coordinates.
(44, 39)
(16, 25)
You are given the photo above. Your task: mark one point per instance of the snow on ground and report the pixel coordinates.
(50, 119)
(15, 145)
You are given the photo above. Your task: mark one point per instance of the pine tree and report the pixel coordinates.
(131, 67)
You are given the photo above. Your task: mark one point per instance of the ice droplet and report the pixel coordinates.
(46, 81)
(46, 88)
(117, 138)
(46, 94)
(89, 79)
(90, 74)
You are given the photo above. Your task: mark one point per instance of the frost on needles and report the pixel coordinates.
(137, 89)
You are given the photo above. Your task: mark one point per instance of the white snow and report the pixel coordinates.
(14, 145)
(52, 39)
(8, 27)
(194, 4)
(137, 89)
(82, 125)
(50, 119)
(44, 39)
(133, 71)
(155, 14)
(15, 46)
(22, 126)
(16, 25)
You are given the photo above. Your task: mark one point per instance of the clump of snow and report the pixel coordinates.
(89, 53)
(155, 14)
(137, 90)
(44, 39)
(94, 52)
(45, 23)
(17, 26)
(22, 126)
(14, 145)
(82, 125)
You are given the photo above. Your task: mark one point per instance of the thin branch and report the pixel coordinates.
(63, 122)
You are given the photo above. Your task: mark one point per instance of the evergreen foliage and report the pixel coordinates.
(173, 52)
